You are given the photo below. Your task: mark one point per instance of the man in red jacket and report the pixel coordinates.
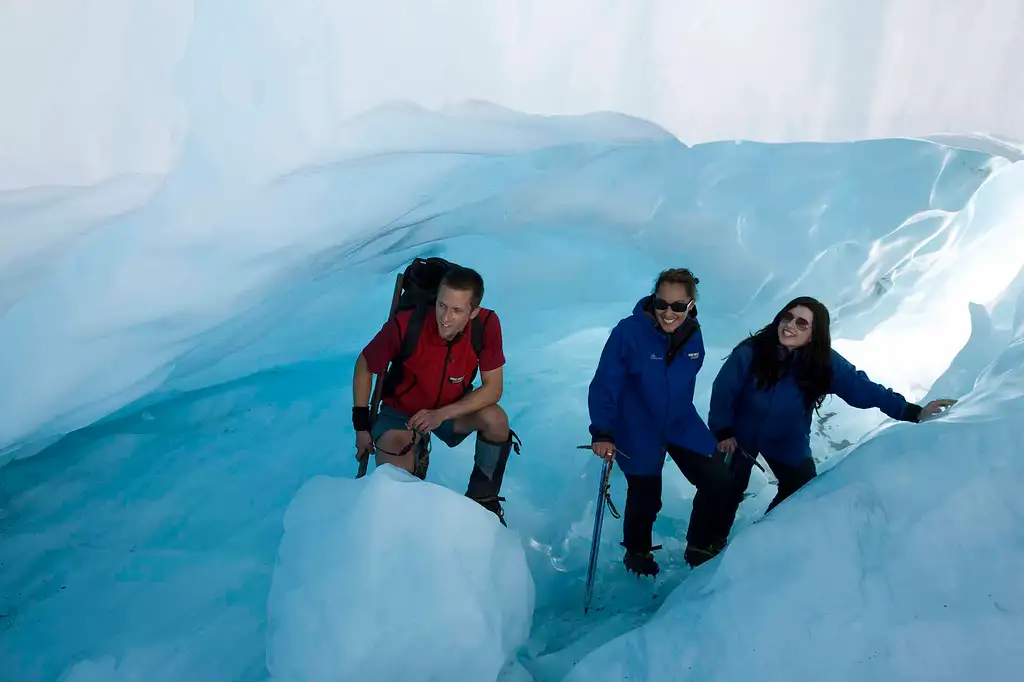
(432, 391)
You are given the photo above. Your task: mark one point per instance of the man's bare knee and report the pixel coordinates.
(390, 444)
(493, 423)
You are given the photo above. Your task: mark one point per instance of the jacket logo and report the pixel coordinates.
(655, 356)
(457, 380)
(693, 356)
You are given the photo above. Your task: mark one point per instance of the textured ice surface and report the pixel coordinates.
(394, 579)
(215, 351)
(176, 347)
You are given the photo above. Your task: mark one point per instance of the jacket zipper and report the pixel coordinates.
(668, 397)
(668, 388)
(444, 373)
(767, 411)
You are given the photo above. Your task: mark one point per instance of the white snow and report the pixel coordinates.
(208, 204)
(393, 580)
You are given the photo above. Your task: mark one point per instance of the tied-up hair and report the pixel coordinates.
(681, 276)
(811, 365)
(678, 276)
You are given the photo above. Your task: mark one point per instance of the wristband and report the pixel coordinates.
(361, 418)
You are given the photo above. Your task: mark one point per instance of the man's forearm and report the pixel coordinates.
(476, 400)
(362, 383)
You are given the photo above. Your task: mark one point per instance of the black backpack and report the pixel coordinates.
(420, 282)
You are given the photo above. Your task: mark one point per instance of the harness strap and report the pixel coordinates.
(608, 496)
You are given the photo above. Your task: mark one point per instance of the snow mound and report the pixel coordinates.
(393, 578)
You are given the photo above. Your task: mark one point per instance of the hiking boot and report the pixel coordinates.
(695, 555)
(641, 563)
(493, 505)
(488, 471)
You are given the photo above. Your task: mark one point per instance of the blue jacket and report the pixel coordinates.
(773, 421)
(641, 396)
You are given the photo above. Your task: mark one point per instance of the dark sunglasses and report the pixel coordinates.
(676, 306)
(799, 322)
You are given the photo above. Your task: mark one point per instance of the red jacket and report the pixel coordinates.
(438, 373)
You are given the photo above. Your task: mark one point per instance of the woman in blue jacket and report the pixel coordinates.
(764, 394)
(641, 405)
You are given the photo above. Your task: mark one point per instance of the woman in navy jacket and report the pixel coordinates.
(641, 405)
(764, 394)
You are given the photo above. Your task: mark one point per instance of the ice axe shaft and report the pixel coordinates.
(378, 383)
(728, 458)
(602, 497)
(595, 543)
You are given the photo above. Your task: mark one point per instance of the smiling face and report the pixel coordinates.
(795, 327)
(454, 309)
(671, 306)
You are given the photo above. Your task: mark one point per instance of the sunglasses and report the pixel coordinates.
(676, 306)
(799, 322)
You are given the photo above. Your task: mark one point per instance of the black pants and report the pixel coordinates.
(791, 478)
(710, 519)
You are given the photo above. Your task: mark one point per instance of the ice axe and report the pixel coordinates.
(752, 458)
(603, 496)
(378, 381)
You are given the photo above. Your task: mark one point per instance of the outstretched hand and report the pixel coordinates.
(935, 407)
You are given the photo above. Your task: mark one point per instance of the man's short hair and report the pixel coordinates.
(465, 279)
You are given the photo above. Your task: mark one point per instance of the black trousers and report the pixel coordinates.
(709, 521)
(791, 478)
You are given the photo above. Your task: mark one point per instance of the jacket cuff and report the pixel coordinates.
(723, 434)
(911, 413)
(599, 436)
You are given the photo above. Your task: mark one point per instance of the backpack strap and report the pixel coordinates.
(476, 337)
(412, 333)
(408, 340)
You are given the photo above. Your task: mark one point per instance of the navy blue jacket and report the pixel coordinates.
(641, 396)
(773, 421)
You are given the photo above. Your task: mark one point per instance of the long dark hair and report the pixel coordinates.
(811, 365)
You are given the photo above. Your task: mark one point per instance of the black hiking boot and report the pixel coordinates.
(641, 563)
(493, 505)
(488, 471)
(695, 555)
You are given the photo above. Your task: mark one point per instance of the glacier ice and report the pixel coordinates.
(277, 83)
(391, 579)
(160, 512)
(178, 326)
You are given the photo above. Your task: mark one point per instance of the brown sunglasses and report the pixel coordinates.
(799, 322)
